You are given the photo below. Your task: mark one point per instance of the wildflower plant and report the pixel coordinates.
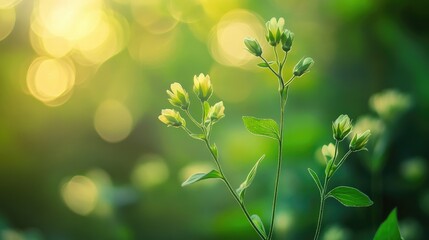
(281, 41)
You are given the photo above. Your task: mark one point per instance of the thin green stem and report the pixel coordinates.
(289, 81)
(233, 193)
(193, 119)
(269, 67)
(279, 167)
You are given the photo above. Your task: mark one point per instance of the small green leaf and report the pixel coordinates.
(249, 179)
(316, 179)
(197, 136)
(389, 229)
(262, 127)
(201, 176)
(206, 106)
(214, 149)
(350, 197)
(259, 224)
(264, 64)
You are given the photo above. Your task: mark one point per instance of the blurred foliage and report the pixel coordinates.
(83, 155)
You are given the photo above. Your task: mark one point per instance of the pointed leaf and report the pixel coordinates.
(214, 149)
(259, 224)
(350, 197)
(197, 136)
(316, 179)
(264, 64)
(262, 127)
(201, 176)
(206, 107)
(249, 179)
(389, 229)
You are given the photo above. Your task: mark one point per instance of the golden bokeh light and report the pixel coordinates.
(150, 171)
(80, 194)
(227, 82)
(226, 43)
(113, 121)
(50, 80)
(7, 21)
(5, 4)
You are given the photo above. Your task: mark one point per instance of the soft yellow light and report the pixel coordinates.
(69, 19)
(50, 79)
(226, 44)
(4, 4)
(103, 42)
(150, 171)
(7, 21)
(80, 194)
(113, 121)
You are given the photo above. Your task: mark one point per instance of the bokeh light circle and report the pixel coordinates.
(113, 121)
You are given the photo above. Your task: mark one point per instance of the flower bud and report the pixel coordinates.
(341, 127)
(178, 96)
(203, 87)
(275, 30)
(253, 46)
(303, 66)
(330, 168)
(287, 39)
(359, 141)
(171, 118)
(216, 112)
(328, 152)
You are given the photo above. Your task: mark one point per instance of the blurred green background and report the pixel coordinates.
(83, 155)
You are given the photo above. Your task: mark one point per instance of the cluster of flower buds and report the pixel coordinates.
(276, 34)
(342, 127)
(178, 97)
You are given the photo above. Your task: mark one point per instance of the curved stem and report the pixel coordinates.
(322, 206)
(233, 193)
(193, 119)
(269, 67)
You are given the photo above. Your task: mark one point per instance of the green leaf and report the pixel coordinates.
(389, 229)
(350, 197)
(262, 127)
(214, 149)
(206, 107)
(258, 223)
(249, 179)
(198, 136)
(201, 176)
(316, 179)
(264, 64)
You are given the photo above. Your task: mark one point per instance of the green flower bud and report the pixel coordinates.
(328, 151)
(171, 118)
(330, 168)
(303, 66)
(275, 30)
(341, 127)
(287, 39)
(359, 141)
(253, 46)
(203, 87)
(178, 96)
(216, 112)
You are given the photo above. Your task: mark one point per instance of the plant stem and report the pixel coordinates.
(233, 193)
(322, 206)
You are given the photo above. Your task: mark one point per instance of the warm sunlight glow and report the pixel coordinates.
(4, 4)
(7, 21)
(113, 121)
(226, 43)
(80, 194)
(50, 79)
